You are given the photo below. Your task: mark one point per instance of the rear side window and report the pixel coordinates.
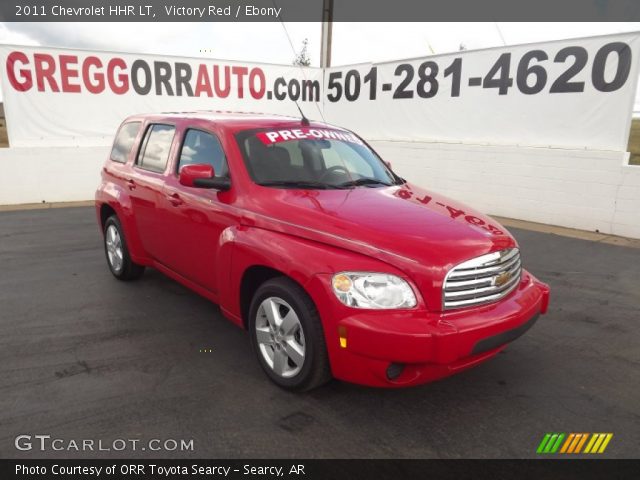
(154, 153)
(124, 141)
(203, 147)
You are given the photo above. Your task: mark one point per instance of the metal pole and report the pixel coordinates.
(327, 22)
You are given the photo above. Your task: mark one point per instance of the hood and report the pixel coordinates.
(422, 233)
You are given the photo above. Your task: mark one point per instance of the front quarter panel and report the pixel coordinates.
(295, 257)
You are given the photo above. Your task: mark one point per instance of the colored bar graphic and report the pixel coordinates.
(581, 442)
(555, 447)
(550, 443)
(568, 442)
(598, 442)
(591, 442)
(596, 445)
(543, 443)
(573, 443)
(605, 443)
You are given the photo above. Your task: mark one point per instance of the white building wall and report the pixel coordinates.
(584, 189)
(56, 174)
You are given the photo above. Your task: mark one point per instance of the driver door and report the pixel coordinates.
(194, 218)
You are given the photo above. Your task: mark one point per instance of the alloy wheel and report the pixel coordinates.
(113, 242)
(280, 337)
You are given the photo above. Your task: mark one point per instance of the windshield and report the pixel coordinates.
(312, 158)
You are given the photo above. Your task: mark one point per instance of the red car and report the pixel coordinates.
(305, 237)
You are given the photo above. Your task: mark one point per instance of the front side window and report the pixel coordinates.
(201, 147)
(312, 158)
(124, 141)
(154, 153)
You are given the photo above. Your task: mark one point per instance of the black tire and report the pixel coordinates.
(127, 269)
(315, 370)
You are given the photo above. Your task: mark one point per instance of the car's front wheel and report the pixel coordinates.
(287, 335)
(117, 253)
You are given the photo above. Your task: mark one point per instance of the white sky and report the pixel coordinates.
(267, 41)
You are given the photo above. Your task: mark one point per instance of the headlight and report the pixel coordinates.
(372, 290)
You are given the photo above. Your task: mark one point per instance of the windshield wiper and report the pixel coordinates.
(363, 181)
(295, 184)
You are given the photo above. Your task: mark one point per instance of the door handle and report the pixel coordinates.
(175, 199)
(131, 184)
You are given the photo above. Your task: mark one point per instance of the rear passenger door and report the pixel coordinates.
(194, 218)
(146, 185)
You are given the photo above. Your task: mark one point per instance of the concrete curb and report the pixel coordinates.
(42, 206)
(569, 232)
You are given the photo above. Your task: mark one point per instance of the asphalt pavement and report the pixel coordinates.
(84, 356)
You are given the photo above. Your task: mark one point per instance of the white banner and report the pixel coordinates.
(571, 94)
(60, 97)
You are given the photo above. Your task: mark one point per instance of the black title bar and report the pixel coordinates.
(312, 10)
(319, 469)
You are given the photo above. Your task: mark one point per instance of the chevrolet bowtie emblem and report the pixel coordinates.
(501, 279)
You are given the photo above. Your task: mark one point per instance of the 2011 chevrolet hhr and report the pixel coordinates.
(305, 237)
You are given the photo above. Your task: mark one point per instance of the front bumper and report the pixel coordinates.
(402, 348)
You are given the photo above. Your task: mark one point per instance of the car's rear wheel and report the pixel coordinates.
(117, 253)
(287, 335)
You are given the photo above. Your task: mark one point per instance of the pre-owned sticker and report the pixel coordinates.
(277, 136)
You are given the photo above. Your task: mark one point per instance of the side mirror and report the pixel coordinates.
(201, 175)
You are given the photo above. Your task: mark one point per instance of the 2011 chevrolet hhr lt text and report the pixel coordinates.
(303, 235)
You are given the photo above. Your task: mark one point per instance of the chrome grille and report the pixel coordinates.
(483, 279)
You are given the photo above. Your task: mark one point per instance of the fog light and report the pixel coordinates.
(394, 370)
